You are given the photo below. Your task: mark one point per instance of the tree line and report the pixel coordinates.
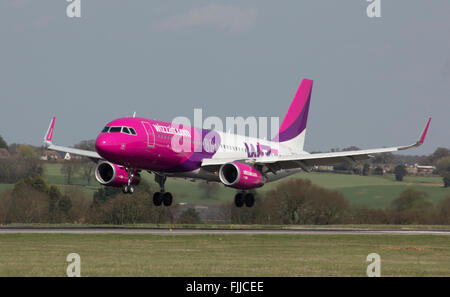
(299, 202)
(440, 158)
(22, 163)
(33, 200)
(294, 202)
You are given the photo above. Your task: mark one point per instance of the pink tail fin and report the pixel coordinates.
(296, 118)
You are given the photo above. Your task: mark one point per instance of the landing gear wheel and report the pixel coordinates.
(239, 199)
(128, 189)
(157, 198)
(249, 199)
(167, 199)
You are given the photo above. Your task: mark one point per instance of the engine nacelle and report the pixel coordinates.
(112, 175)
(240, 176)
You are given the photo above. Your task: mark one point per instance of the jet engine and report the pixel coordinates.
(113, 175)
(240, 176)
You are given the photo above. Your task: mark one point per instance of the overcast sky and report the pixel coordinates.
(376, 80)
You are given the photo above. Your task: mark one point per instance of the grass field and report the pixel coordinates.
(371, 191)
(224, 255)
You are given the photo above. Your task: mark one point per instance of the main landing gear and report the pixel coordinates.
(162, 197)
(242, 198)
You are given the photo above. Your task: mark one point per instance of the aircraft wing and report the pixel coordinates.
(306, 161)
(50, 146)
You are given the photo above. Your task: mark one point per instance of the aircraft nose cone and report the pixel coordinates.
(104, 144)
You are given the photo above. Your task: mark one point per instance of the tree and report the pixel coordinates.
(400, 172)
(3, 143)
(64, 205)
(412, 207)
(69, 169)
(351, 148)
(121, 209)
(86, 165)
(80, 205)
(29, 161)
(365, 215)
(342, 168)
(444, 211)
(24, 204)
(210, 190)
(384, 158)
(189, 216)
(298, 201)
(32, 200)
(366, 169)
(105, 193)
(54, 199)
(23, 164)
(438, 154)
(409, 199)
(443, 169)
(378, 171)
(38, 183)
(87, 170)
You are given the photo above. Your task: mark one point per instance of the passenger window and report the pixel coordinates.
(115, 129)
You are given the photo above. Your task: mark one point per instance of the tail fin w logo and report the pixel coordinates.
(293, 129)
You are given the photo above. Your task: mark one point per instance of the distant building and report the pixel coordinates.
(425, 170)
(411, 170)
(4, 153)
(50, 155)
(324, 168)
(420, 169)
(386, 167)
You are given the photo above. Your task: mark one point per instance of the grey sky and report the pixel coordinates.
(376, 80)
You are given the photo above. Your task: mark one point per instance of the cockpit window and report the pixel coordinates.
(115, 129)
(125, 130)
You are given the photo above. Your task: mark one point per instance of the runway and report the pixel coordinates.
(217, 231)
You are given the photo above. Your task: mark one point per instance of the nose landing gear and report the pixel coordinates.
(129, 188)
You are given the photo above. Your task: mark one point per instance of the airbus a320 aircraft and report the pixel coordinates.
(127, 146)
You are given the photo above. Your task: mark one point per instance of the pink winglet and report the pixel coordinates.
(48, 136)
(424, 133)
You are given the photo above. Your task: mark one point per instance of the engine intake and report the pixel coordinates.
(240, 176)
(113, 175)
